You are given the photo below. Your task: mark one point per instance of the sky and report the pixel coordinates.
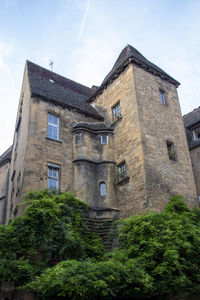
(84, 38)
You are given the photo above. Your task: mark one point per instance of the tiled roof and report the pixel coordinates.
(92, 126)
(60, 90)
(192, 117)
(130, 54)
(6, 156)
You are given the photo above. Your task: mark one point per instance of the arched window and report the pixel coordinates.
(102, 189)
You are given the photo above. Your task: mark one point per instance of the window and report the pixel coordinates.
(53, 127)
(122, 171)
(102, 189)
(104, 139)
(53, 177)
(171, 151)
(162, 97)
(196, 133)
(116, 112)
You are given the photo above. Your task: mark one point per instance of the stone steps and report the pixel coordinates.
(102, 227)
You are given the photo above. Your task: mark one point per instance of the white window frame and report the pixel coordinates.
(116, 112)
(53, 178)
(122, 169)
(50, 124)
(162, 97)
(106, 139)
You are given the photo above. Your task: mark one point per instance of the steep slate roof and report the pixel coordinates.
(92, 126)
(6, 156)
(192, 117)
(189, 120)
(131, 55)
(60, 90)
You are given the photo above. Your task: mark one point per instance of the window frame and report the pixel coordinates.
(162, 97)
(116, 112)
(102, 183)
(195, 137)
(107, 139)
(50, 125)
(122, 171)
(171, 150)
(53, 178)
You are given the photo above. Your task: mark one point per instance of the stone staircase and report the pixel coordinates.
(102, 227)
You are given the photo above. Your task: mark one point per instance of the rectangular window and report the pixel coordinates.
(53, 177)
(122, 171)
(116, 112)
(171, 151)
(104, 139)
(196, 133)
(162, 97)
(53, 127)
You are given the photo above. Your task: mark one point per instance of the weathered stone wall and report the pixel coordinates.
(41, 150)
(18, 160)
(93, 164)
(160, 123)
(195, 158)
(4, 180)
(127, 141)
(140, 140)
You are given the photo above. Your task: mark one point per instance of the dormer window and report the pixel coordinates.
(196, 133)
(162, 97)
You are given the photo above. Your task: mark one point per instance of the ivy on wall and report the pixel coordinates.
(47, 251)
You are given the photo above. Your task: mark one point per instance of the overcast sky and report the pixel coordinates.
(84, 38)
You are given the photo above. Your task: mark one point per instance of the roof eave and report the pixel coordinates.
(70, 107)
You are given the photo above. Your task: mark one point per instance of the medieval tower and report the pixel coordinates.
(121, 147)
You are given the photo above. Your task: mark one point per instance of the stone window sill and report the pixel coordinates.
(58, 141)
(123, 181)
(116, 121)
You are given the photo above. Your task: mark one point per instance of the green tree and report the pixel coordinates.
(48, 251)
(51, 230)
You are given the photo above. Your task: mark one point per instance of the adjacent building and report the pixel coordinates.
(120, 147)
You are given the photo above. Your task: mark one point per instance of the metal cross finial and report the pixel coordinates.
(51, 64)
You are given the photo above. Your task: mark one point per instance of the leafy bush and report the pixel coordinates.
(88, 280)
(51, 230)
(158, 254)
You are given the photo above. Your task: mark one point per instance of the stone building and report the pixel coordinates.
(120, 147)
(192, 128)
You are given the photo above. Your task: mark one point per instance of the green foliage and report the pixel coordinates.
(51, 230)
(88, 280)
(167, 247)
(158, 254)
